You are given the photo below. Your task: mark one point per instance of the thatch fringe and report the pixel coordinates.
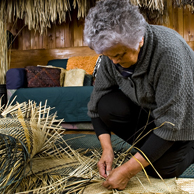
(39, 14)
(152, 5)
(185, 3)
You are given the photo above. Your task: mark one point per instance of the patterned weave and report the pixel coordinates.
(24, 132)
(43, 77)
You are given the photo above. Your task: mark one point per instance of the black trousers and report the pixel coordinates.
(124, 118)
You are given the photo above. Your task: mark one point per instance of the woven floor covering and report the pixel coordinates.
(37, 156)
(185, 182)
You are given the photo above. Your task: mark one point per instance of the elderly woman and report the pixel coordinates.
(146, 74)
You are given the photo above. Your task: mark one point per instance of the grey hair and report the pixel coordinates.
(111, 22)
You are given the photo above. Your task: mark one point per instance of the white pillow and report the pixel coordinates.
(74, 77)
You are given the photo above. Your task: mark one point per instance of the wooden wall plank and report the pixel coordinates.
(78, 32)
(60, 33)
(175, 21)
(67, 38)
(180, 20)
(192, 27)
(20, 29)
(186, 17)
(71, 32)
(170, 14)
(26, 39)
(44, 36)
(33, 39)
(40, 42)
(178, 23)
(51, 37)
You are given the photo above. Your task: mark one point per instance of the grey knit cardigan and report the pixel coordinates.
(163, 81)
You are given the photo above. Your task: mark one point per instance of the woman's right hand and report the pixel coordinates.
(106, 160)
(105, 163)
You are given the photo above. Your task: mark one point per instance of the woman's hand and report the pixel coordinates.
(105, 163)
(120, 176)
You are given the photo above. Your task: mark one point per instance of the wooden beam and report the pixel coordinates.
(23, 58)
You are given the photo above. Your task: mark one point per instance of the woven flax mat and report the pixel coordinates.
(139, 183)
(90, 141)
(38, 157)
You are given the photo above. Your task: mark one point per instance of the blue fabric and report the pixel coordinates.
(16, 78)
(58, 63)
(70, 103)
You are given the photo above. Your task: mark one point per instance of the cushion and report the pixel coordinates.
(82, 62)
(62, 75)
(74, 77)
(42, 77)
(16, 78)
(58, 63)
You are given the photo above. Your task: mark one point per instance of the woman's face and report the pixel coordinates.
(123, 55)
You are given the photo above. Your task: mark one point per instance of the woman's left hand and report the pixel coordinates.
(120, 176)
(117, 179)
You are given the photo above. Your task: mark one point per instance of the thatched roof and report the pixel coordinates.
(185, 3)
(39, 14)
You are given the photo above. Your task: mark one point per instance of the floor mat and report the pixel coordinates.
(86, 141)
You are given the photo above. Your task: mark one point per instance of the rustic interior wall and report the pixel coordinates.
(70, 34)
(181, 20)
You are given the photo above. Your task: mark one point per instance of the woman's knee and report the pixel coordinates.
(164, 172)
(115, 104)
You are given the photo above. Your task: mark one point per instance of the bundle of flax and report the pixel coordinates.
(33, 154)
(35, 158)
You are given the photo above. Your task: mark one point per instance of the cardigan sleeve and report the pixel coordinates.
(99, 126)
(174, 93)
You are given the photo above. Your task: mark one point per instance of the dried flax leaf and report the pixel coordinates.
(37, 14)
(152, 5)
(4, 58)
